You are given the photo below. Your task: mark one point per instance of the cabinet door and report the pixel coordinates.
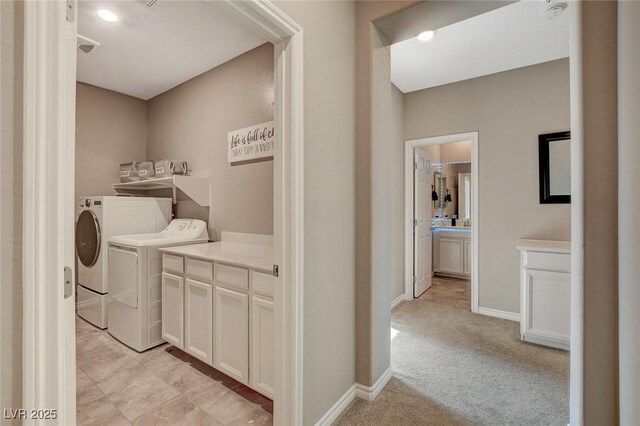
(451, 253)
(468, 257)
(262, 345)
(547, 308)
(198, 317)
(231, 333)
(172, 309)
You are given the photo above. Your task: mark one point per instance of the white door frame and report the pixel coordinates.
(409, 147)
(49, 146)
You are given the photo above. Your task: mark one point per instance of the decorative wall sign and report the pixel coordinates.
(252, 142)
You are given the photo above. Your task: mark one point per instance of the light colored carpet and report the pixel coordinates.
(452, 367)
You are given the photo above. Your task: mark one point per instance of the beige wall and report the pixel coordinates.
(432, 152)
(594, 351)
(508, 110)
(11, 30)
(397, 194)
(329, 192)
(111, 128)
(190, 122)
(629, 242)
(374, 145)
(459, 151)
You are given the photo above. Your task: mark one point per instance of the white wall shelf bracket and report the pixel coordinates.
(195, 188)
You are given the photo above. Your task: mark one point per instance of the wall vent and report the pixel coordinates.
(148, 3)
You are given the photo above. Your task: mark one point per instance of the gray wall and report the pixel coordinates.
(629, 205)
(191, 121)
(594, 394)
(111, 128)
(329, 216)
(11, 52)
(374, 145)
(397, 194)
(508, 110)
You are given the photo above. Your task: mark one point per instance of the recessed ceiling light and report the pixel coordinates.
(426, 35)
(107, 15)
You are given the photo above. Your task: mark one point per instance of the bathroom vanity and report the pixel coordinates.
(452, 254)
(545, 292)
(217, 305)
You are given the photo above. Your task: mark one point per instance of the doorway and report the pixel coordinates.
(50, 80)
(433, 223)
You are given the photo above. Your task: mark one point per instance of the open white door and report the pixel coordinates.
(48, 216)
(422, 259)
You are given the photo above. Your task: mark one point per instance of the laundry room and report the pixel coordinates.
(174, 182)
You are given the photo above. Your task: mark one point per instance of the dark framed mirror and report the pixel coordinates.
(554, 153)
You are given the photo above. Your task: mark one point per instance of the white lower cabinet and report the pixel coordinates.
(547, 309)
(198, 319)
(545, 289)
(223, 315)
(172, 313)
(452, 253)
(231, 333)
(262, 345)
(467, 258)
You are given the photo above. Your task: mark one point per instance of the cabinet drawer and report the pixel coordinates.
(560, 262)
(231, 276)
(262, 283)
(173, 263)
(200, 269)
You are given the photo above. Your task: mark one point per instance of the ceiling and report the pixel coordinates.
(510, 37)
(405, 24)
(151, 50)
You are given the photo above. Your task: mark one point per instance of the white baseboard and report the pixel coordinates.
(511, 316)
(547, 341)
(369, 393)
(398, 300)
(338, 408)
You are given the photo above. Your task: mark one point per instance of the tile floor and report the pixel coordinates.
(449, 291)
(119, 386)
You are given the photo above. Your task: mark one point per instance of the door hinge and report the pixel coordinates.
(415, 279)
(415, 166)
(276, 270)
(68, 282)
(71, 14)
(415, 222)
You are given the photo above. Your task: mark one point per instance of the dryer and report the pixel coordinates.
(98, 219)
(135, 281)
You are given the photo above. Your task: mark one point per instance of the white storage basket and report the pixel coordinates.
(168, 168)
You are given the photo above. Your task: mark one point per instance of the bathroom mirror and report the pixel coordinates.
(554, 150)
(464, 196)
(447, 181)
(440, 182)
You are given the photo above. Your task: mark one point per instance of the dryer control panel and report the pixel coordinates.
(191, 227)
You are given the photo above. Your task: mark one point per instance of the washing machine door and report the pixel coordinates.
(88, 238)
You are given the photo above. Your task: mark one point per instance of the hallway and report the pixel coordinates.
(453, 367)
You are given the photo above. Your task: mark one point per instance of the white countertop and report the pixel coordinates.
(544, 245)
(244, 255)
(452, 228)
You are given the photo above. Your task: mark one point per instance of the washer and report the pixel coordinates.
(98, 219)
(135, 281)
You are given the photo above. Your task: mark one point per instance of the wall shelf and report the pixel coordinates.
(196, 188)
